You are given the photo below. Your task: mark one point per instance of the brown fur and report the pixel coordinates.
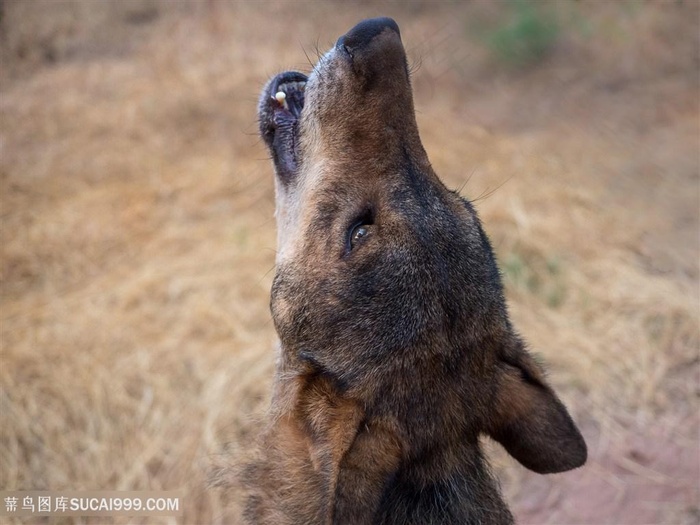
(396, 352)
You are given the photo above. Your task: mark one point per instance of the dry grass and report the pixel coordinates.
(138, 238)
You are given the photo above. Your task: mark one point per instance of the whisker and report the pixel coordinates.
(308, 58)
(464, 184)
(487, 193)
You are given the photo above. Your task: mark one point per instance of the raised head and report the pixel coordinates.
(388, 303)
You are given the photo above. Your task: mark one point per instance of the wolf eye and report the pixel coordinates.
(359, 232)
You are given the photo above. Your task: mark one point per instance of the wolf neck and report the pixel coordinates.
(406, 476)
(466, 494)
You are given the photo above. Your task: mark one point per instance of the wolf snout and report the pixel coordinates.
(364, 32)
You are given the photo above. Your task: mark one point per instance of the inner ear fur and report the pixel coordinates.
(530, 421)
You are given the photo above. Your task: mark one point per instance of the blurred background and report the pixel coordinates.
(138, 234)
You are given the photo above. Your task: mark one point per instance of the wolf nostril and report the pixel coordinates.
(365, 31)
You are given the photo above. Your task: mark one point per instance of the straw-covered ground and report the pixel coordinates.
(138, 232)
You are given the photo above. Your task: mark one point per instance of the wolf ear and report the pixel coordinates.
(530, 421)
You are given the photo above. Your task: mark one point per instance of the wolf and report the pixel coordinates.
(396, 350)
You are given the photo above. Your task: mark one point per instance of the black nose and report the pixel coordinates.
(365, 31)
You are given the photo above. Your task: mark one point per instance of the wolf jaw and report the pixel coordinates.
(279, 110)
